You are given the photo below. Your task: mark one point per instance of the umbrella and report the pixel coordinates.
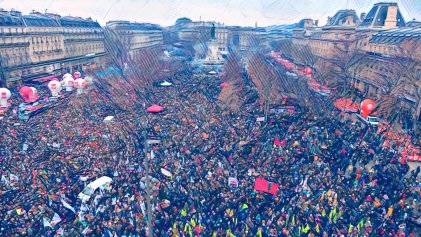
(224, 84)
(154, 109)
(212, 72)
(165, 83)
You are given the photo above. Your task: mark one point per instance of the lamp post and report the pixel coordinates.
(148, 191)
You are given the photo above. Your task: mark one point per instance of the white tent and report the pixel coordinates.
(212, 72)
(108, 119)
(165, 83)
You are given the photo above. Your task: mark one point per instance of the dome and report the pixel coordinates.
(180, 21)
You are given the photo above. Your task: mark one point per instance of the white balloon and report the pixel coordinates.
(34, 90)
(4, 96)
(67, 75)
(68, 82)
(55, 88)
(89, 80)
(80, 84)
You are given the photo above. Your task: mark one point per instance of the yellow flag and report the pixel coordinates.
(331, 215)
(19, 211)
(192, 222)
(350, 228)
(183, 212)
(323, 213)
(390, 211)
(317, 228)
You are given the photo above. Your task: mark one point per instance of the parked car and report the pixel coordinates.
(371, 120)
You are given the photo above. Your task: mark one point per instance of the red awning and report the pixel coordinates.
(346, 105)
(44, 79)
(154, 109)
(224, 84)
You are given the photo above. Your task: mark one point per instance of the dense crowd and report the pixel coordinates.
(335, 177)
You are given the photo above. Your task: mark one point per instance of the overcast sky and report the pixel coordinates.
(230, 12)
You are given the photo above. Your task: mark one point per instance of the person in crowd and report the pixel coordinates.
(335, 178)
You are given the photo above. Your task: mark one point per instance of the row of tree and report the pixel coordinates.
(355, 73)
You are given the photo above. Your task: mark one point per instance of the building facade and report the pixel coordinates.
(40, 45)
(384, 45)
(137, 36)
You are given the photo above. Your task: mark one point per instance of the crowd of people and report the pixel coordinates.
(335, 178)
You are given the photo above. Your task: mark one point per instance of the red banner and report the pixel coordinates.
(266, 186)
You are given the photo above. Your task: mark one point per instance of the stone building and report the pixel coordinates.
(382, 41)
(137, 36)
(40, 46)
(83, 41)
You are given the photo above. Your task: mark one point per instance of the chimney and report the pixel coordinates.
(362, 16)
(2, 11)
(391, 17)
(35, 13)
(316, 22)
(13, 12)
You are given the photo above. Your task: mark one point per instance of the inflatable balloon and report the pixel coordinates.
(27, 94)
(308, 71)
(68, 83)
(80, 85)
(364, 114)
(35, 92)
(55, 88)
(4, 96)
(89, 80)
(55, 79)
(77, 75)
(367, 106)
(67, 75)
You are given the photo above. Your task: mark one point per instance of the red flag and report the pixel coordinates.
(277, 142)
(265, 186)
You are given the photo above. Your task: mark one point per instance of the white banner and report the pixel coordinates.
(233, 182)
(166, 172)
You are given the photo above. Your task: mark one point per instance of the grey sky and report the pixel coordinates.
(231, 12)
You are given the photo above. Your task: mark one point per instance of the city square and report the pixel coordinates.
(202, 128)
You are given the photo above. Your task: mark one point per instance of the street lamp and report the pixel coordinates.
(148, 191)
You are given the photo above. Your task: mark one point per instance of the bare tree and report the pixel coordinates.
(284, 45)
(322, 71)
(411, 66)
(118, 48)
(346, 61)
(392, 82)
(305, 56)
(134, 70)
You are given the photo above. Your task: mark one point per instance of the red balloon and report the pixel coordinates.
(77, 75)
(364, 113)
(368, 105)
(308, 71)
(27, 94)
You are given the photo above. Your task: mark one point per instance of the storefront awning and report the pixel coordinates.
(44, 79)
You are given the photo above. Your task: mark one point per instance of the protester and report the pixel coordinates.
(334, 177)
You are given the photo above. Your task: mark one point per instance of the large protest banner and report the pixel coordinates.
(265, 186)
